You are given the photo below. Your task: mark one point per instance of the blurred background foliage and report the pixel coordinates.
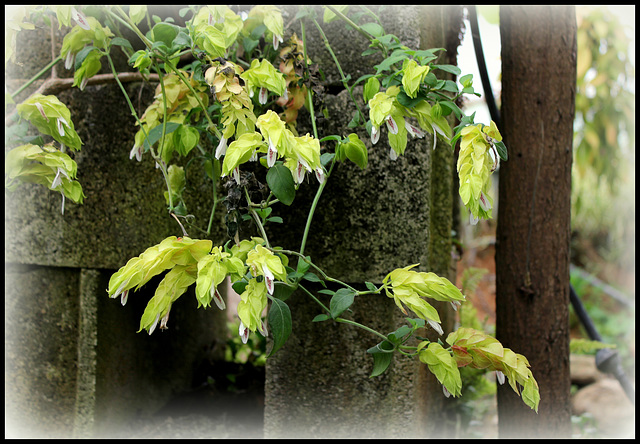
(603, 195)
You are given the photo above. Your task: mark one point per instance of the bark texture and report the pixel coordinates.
(532, 250)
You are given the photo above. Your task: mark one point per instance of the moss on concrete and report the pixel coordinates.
(41, 334)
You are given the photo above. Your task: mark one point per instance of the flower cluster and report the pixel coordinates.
(179, 100)
(478, 350)
(478, 158)
(291, 65)
(88, 31)
(188, 261)
(46, 166)
(50, 116)
(409, 287)
(385, 108)
(215, 29)
(238, 117)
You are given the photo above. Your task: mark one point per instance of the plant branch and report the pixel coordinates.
(342, 76)
(350, 23)
(306, 68)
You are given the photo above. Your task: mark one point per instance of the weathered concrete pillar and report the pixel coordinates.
(75, 365)
(367, 224)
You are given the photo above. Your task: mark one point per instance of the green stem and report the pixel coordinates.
(213, 207)
(37, 76)
(164, 132)
(321, 271)
(350, 23)
(212, 127)
(364, 327)
(313, 207)
(135, 114)
(335, 60)
(257, 219)
(342, 320)
(306, 68)
(312, 296)
(132, 26)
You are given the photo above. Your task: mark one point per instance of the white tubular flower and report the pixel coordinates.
(268, 279)
(41, 109)
(236, 175)
(263, 96)
(80, 19)
(68, 61)
(500, 377)
(392, 154)
(414, 130)
(320, 174)
(276, 40)
(137, 152)
(392, 126)
(164, 320)
(57, 181)
(125, 296)
(435, 326)
(217, 298)
(243, 332)
(155, 323)
(221, 150)
(375, 135)
(484, 202)
(298, 176)
(60, 122)
(272, 154)
(263, 329)
(445, 391)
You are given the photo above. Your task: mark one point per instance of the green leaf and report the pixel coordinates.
(119, 41)
(373, 28)
(282, 291)
(408, 102)
(279, 323)
(388, 62)
(452, 106)
(321, 317)
(341, 301)
(82, 54)
(449, 68)
(443, 366)
(156, 133)
(382, 355)
(249, 44)
(502, 150)
(240, 286)
(281, 183)
(371, 286)
(381, 362)
(311, 277)
(164, 32)
(185, 139)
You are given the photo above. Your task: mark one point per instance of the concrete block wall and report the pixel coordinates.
(74, 364)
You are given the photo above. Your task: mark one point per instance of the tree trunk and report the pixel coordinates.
(532, 249)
